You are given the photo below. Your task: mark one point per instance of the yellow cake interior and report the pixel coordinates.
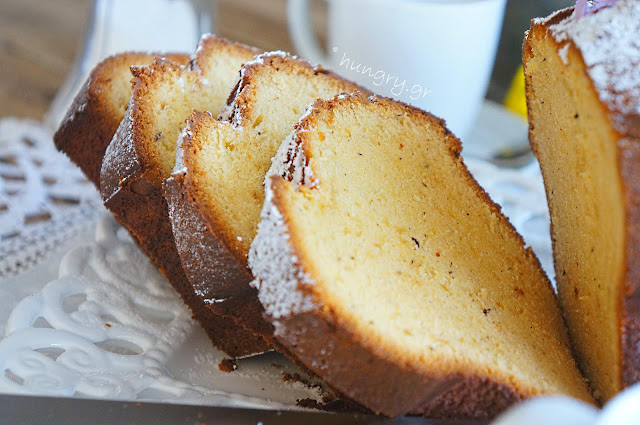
(576, 147)
(404, 247)
(231, 162)
(120, 89)
(176, 94)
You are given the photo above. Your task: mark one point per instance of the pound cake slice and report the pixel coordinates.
(98, 109)
(143, 152)
(216, 192)
(582, 72)
(387, 270)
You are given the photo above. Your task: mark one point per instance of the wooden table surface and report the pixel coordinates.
(39, 40)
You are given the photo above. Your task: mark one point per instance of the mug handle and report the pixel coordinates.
(301, 33)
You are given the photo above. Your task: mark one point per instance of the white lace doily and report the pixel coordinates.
(110, 326)
(44, 199)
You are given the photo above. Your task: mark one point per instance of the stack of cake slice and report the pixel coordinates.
(216, 192)
(160, 97)
(379, 263)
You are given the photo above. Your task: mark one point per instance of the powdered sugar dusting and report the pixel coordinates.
(271, 258)
(179, 166)
(181, 83)
(275, 266)
(564, 50)
(201, 44)
(259, 59)
(290, 160)
(609, 41)
(584, 7)
(119, 154)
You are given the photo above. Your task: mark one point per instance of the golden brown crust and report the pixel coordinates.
(330, 346)
(93, 118)
(131, 187)
(203, 255)
(84, 135)
(201, 252)
(375, 380)
(192, 219)
(628, 164)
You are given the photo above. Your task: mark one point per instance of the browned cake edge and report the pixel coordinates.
(139, 205)
(201, 250)
(629, 170)
(206, 261)
(374, 379)
(91, 121)
(325, 344)
(629, 162)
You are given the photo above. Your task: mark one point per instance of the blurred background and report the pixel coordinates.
(39, 40)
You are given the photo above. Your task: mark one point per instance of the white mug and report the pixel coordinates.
(434, 54)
